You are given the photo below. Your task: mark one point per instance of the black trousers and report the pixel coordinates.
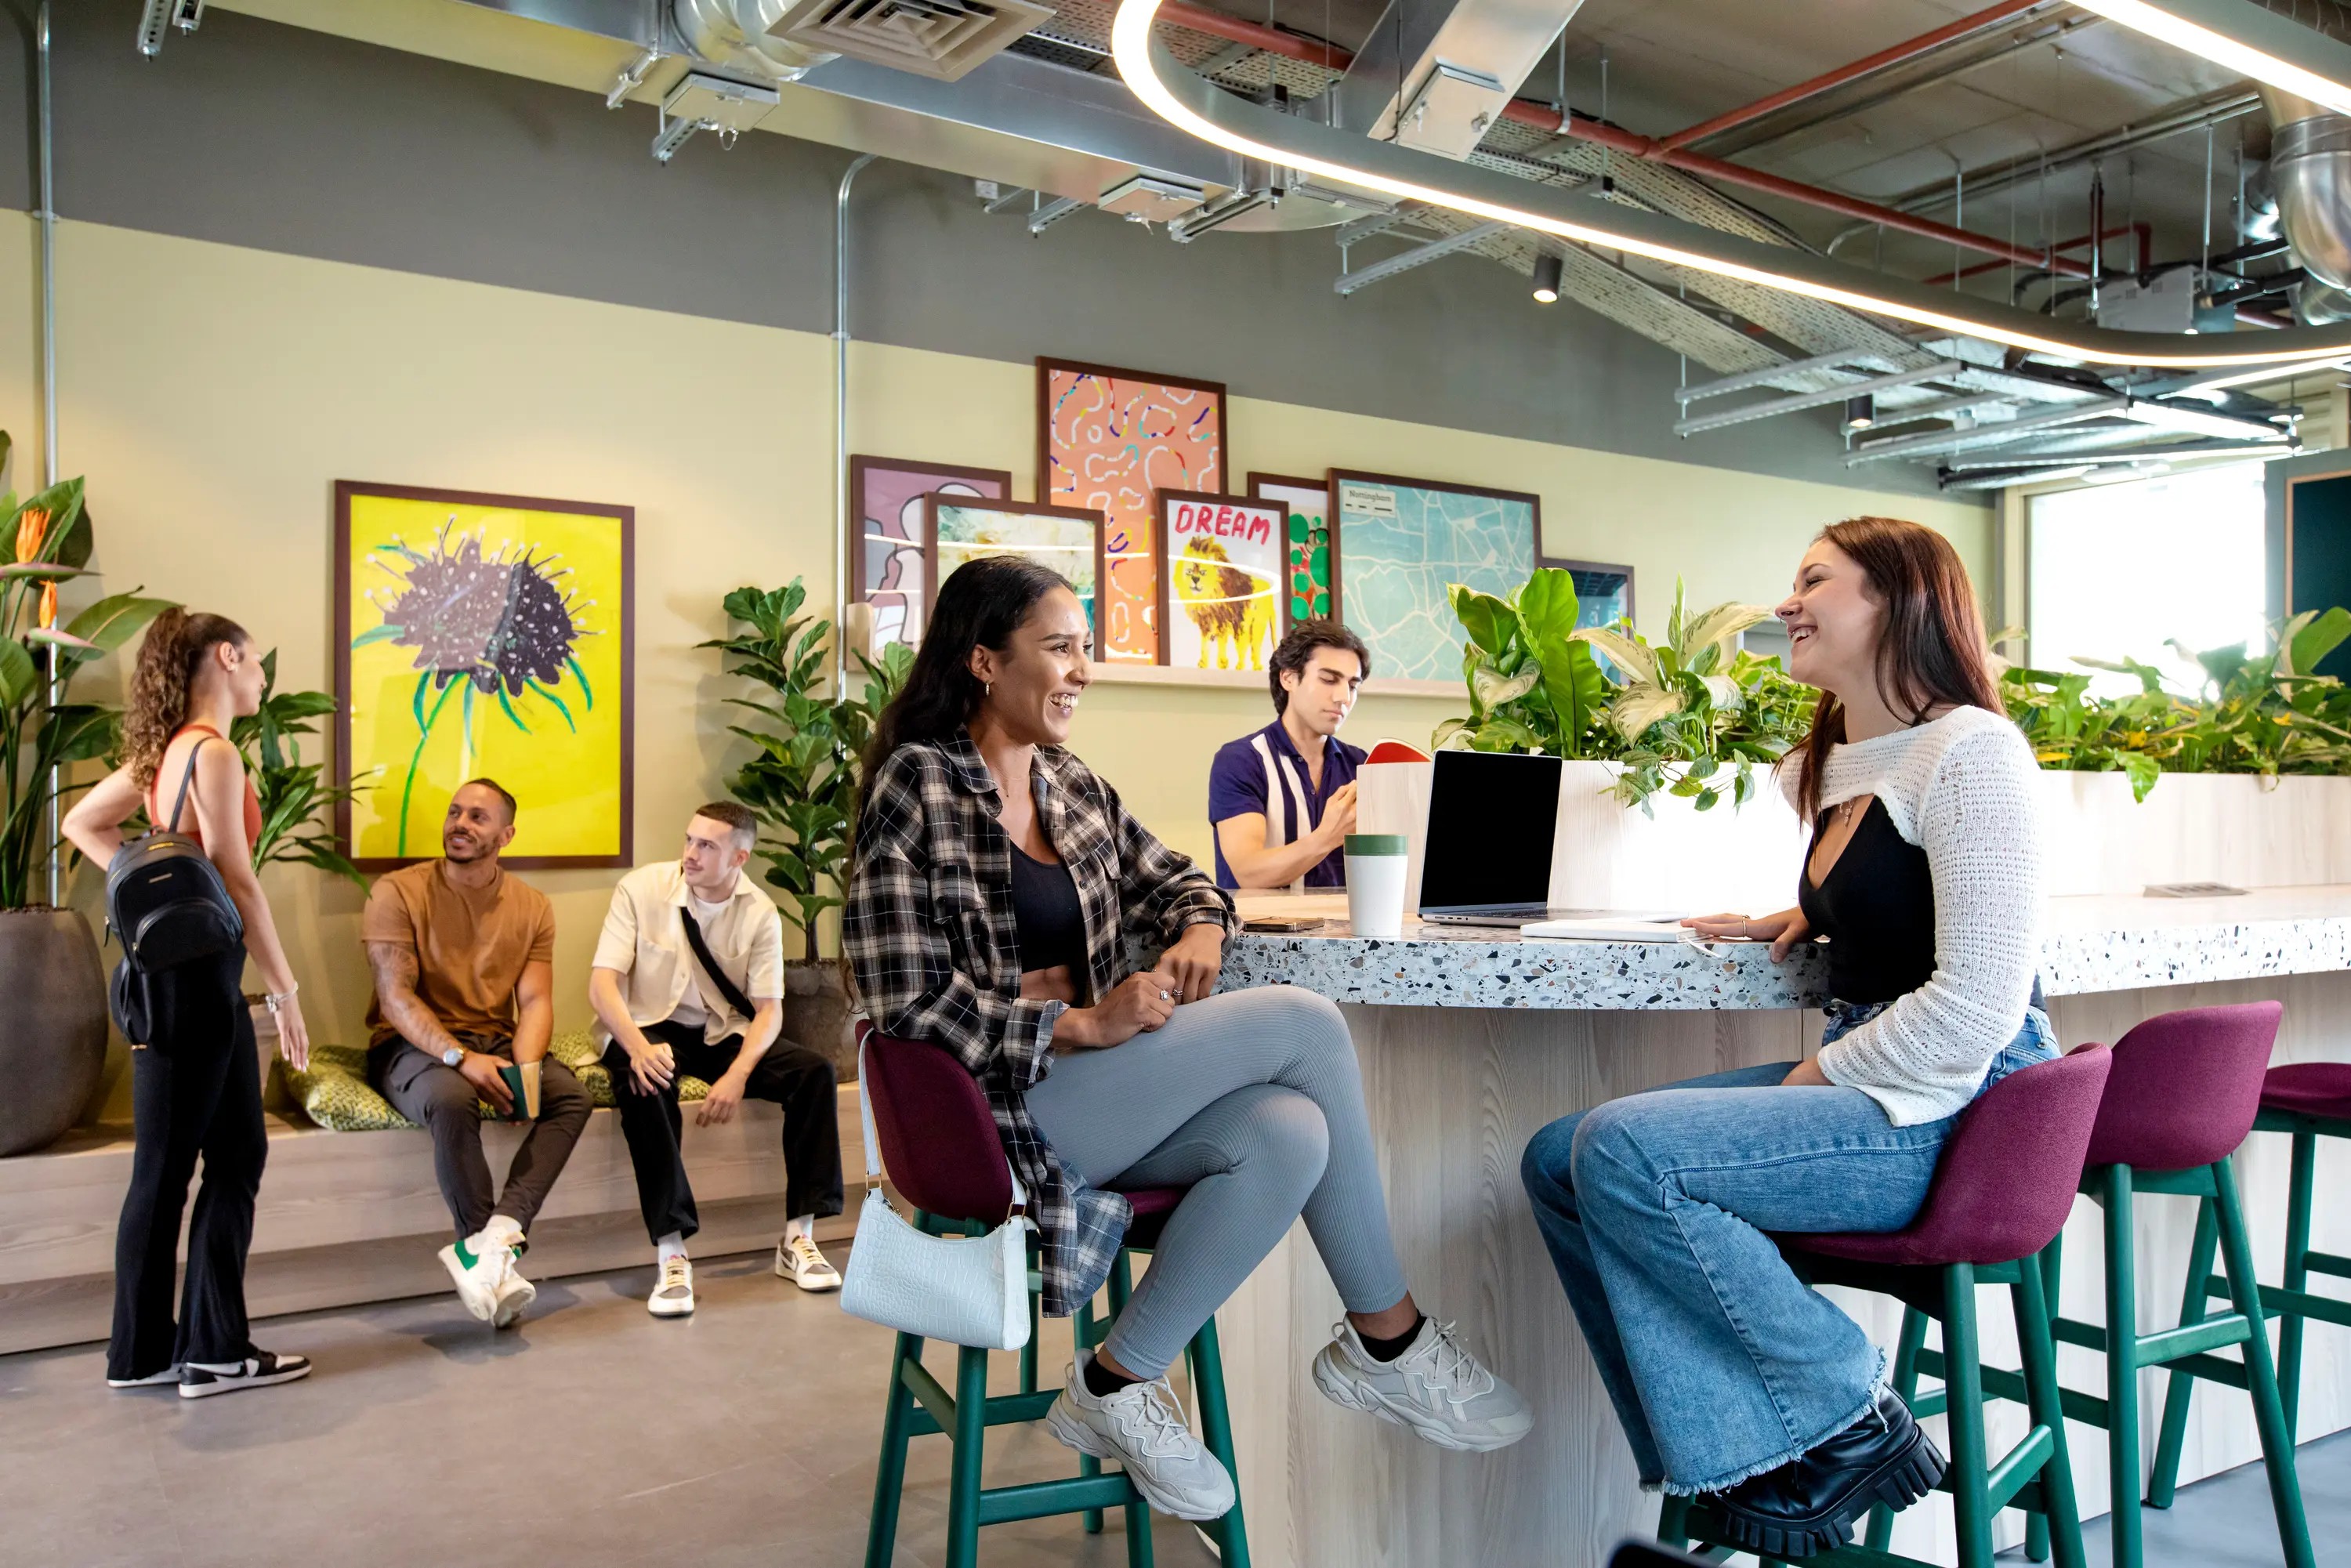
(195, 1094)
(789, 1075)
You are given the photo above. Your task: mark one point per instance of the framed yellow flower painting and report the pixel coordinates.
(483, 636)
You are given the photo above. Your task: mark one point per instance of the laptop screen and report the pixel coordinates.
(1490, 821)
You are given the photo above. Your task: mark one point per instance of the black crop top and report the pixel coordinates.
(1048, 922)
(1876, 908)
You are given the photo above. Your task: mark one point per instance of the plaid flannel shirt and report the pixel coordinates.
(929, 933)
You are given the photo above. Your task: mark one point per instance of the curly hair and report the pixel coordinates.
(175, 647)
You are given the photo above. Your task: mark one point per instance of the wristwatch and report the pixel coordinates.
(453, 1056)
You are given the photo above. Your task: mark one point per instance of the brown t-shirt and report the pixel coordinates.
(471, 945)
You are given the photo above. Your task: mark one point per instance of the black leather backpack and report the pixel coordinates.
(167, 907)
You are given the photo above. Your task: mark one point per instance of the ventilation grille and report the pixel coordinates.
(938, 38)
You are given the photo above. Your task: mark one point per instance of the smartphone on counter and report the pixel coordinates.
(1284, 925)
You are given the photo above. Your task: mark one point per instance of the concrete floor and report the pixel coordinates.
(594, 1434)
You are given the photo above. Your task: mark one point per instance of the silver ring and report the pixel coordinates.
(1177, 993)
(1163, 997)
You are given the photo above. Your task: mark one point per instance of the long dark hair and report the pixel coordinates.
(1930, 653)
(176, 645)
(980, 605)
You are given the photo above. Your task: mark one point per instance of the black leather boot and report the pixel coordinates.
(1808, 1505)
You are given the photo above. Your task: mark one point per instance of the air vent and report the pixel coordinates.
(939, 38)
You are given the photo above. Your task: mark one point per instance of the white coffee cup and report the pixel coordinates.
(1376, 865)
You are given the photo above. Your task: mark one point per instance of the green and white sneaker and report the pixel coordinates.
(480, 1272)
(1436, 1387)
(673, 1294)
(515, 1293)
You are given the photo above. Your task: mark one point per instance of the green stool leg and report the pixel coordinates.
(1081, 1331)
(1138, 1531)
(1673, 1526)
(1969, 1466)
(2297, 1274)
(890, 1475)
(2181, 1391)
(970, 1436)
(1208, 1362)
(1880, 1533)
(1028, 1351)
(2122, 1364)
(2060, 1525)
(2269, 1413)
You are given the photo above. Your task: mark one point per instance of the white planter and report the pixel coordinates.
(2233, 828)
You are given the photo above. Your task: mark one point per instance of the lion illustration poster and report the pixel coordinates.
(483, 636)
(1219, 579)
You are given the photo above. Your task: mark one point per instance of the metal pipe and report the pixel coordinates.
(843, 544)
(49, 407)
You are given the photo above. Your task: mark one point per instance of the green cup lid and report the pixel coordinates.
(1375, 845)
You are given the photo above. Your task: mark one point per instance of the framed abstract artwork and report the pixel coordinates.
(1220, 569)
(1310, 563)
(887, 553)
(1108, 440)
(483, 636)
(1406, 540)
(1067, 538)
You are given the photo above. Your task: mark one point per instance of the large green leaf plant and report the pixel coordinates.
(293, 792)
(48, 536)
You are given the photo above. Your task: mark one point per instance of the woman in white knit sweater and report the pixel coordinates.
(1730, 1376)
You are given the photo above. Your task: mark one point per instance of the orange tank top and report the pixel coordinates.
(188, 824)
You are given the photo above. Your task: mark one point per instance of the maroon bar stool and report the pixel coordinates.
(2002, 1191)
(940, 1147)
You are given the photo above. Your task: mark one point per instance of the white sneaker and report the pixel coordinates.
(673, 1294)
(798, 1259)
(515, 1293)
(170, 1375)
(259, 1370)
(1436, 1387)
(479, 1272)
(1142, 1428)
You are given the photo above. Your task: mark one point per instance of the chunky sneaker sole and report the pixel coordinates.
(263, 1371)
(1076, 1432)
(1898, 1483)
(1339, 1385)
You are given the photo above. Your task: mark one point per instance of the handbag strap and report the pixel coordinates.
(188, 779)
(873, 1142)
(726, 987)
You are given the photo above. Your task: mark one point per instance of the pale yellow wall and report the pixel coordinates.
(212, 394)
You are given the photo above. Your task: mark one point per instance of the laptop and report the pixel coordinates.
(1492, 818)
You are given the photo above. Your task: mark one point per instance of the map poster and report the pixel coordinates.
(1408, 541)
(1221, 568)
(1311, 560)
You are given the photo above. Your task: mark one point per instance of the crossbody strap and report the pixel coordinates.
(726, 987)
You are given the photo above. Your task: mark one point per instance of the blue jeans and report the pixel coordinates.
(1721, 1363)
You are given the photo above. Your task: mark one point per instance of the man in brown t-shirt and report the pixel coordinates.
(464, 958)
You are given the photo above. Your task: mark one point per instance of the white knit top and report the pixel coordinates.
(1964, 788)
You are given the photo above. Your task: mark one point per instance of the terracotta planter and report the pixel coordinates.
(53, 1030)
(817, 1013)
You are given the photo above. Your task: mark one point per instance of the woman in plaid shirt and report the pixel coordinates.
(995, 881)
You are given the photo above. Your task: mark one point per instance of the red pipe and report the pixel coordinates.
(1200, 19)
(2142, 229)
(1908, 49)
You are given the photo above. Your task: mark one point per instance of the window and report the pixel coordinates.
(2118, 570)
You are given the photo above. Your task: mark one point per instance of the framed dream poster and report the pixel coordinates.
(483, 636)
(1220, 566)
(1407, 539)
(1311, 567)
(1107, 440)
(886, 557)
(1067, 538)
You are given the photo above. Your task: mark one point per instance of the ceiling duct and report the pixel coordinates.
(938, 38)
(733, 35)
(1435, 74)
(2310, 165)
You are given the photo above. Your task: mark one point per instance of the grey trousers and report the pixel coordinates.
(1253, 1101)
(438, 1099)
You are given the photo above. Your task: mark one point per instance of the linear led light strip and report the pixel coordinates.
(1212, 115)
(2247, 37)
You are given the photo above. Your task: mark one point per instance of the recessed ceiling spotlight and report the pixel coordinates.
(1549, 271)
(2246, 37)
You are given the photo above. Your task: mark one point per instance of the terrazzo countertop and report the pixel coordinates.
(2095, 944)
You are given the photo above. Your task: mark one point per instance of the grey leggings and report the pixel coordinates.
(1253, 1101)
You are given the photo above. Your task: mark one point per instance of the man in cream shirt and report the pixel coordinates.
(667, 1007)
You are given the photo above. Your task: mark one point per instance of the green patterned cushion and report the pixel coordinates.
(334, 1091)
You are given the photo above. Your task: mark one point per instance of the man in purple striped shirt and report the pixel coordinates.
(1283, 800)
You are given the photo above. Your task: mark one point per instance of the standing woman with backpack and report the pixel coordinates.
(195, 1083)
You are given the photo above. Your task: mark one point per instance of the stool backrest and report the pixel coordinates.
(2186, 1087)
(937, 1134)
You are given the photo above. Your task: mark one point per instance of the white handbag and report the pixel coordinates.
(963, 1289)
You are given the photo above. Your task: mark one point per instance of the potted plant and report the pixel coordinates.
(801, 782)
(53, 1030)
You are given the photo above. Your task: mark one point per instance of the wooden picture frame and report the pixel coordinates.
(1250, 631)
(1127, 505)
(931, 502)
(1372, 596)
(1258, 486)
(867, 474)
(608, 603)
